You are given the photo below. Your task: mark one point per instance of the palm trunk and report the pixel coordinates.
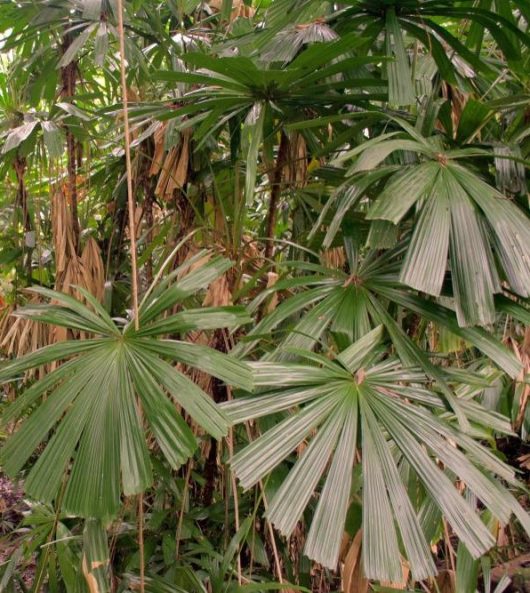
(69, 79)
(275, 179)
(22, 203)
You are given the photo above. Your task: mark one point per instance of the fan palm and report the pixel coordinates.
(420, 19)
(364, 402)
(421, 216)
(464, 223)
(236, 89)
(90, 401)
(349, 303)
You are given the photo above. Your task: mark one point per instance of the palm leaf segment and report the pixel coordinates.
(90, 402)
(359, 402)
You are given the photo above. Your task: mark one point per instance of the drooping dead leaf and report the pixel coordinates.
(353, 579)
(522, 389)
(295, 169)
(93, 269)
(239, 8)
(218, 293)
(158, 156)
(172, 167)
(19, 336)
(87, 271)
(445, 581)
(458, 100)
(62, 232)
(272, 303)
(334, 258)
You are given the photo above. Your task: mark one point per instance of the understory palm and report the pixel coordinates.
(327, 377)
(92, 402)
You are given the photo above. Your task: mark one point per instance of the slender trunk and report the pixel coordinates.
(149, 221)
(22, 193)
(275, 179)
(219, 394)
(184, 218)
(74, 153)
(149, 184)
(72, 185)
(22, 202)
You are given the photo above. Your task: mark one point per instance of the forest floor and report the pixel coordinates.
(12, 507)
(515, 563)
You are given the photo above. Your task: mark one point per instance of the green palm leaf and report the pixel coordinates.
(91, 403)
(350, 304)
(466, 229)
(400, 423)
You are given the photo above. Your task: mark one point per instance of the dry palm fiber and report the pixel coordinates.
(86, 271)
(19, 336)
(171, 167)
(334, 258)
(62, 231)
(239, 9)
(353, 579)
(93, 269)
(295, 169)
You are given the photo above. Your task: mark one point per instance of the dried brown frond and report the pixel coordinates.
(158, 156)
(62, 232)
(334, 258)
(522, 389)
(218, 293)
(19, 336)
(353, 579)
(239, 9)
(93, 269)
(445, 581)
(458, 101)
(295, 169)
(172, 167)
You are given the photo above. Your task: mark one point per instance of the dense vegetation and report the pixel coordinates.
(268, 326)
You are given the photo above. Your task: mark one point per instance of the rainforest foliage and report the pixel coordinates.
(268, 326)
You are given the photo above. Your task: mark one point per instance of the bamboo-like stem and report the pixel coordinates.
(276, 555)
(134, 263)
(275, 178)
(183, 507)
(128, 166)
(230, 442)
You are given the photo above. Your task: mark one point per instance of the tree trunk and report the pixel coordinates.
(69, 79)
(275, 179)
